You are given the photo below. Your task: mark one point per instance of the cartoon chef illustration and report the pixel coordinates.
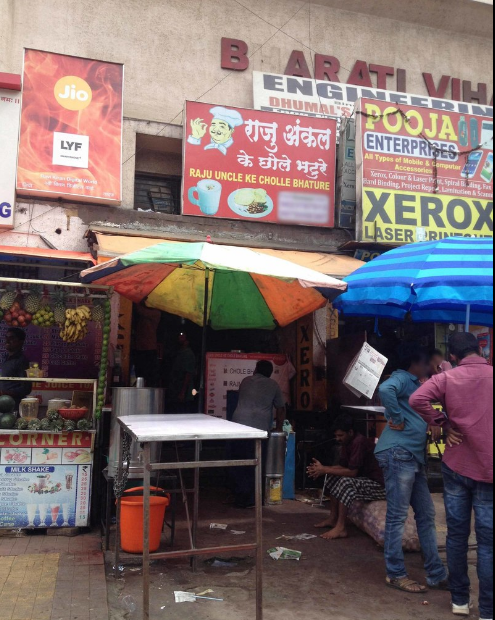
(222, 129)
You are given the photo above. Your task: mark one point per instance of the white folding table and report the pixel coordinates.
(146, 430)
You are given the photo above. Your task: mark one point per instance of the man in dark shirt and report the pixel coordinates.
(357, 478)
(15, 364)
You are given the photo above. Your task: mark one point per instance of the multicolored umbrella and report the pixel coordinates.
(449, 281)
(241, 288)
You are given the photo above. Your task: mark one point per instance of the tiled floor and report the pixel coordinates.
(52, 578)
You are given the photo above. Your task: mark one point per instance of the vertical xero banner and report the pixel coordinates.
(10, 105)
(423, 174)
(71, 128)
(251, 165)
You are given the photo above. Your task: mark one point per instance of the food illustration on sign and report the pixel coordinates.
(15, 456)
(44, 487)
(222, 129)
(254, 203)
(209, 194)
(78, 457)
(45, 456)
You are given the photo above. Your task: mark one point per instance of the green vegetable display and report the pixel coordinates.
(102, 380)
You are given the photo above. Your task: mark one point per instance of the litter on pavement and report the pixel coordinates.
(299, 537)
(219, 526)
(281, 553)
(190, 597)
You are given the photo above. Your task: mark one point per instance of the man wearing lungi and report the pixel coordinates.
(358, 477)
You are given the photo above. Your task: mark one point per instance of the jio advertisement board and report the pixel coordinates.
(423, 174)
(10, 105)
(259, 166)
(71, 128)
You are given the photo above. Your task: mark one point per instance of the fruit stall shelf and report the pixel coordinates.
(76, 481)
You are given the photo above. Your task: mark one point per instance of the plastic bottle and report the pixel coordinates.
(129, 604)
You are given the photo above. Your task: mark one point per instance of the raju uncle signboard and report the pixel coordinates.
(71, 128)
(423, 174)
(251, 165)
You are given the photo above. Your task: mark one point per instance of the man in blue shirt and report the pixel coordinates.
(401, 452)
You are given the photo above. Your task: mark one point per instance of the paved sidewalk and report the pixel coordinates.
(52, 578)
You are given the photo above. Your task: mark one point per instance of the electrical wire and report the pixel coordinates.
(436, 150)
(225, 77)
(32, 219)
(308, 47)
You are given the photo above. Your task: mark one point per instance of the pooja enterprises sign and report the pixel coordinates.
(251, 165)
(423, 174)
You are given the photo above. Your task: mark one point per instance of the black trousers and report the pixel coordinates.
(243, 479)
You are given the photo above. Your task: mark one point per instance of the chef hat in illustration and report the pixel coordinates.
(231, 117)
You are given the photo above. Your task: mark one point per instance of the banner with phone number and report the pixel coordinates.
(403, 199)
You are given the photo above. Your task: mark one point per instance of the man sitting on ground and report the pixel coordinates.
(357, 478)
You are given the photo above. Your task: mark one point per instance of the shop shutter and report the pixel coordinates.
(157, 193)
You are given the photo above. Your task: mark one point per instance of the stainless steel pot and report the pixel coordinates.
(277, 448)
(127, 402)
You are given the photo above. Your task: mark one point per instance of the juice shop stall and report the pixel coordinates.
(49, 418)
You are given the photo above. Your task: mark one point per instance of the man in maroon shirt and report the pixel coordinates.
(357, 478)
(466, 394)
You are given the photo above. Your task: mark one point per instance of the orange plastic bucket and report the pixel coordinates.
(132, 520)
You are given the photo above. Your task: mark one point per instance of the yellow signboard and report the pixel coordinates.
(400, 217)
(424, 175)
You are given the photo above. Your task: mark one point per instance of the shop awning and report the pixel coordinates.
(112, 246)
(10, 255)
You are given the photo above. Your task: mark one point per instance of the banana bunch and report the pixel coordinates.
(76, 324)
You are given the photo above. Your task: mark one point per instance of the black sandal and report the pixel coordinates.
(406, 585)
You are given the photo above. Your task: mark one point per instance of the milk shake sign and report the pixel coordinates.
(71, 131)
(423, 174)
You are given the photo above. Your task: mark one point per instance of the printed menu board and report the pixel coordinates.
(226, 371)
(57, 358)
(46, 480)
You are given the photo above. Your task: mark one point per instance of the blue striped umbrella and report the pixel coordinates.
(449, 281)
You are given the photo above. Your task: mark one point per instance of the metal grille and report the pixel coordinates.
(20, 271)
(158, 193)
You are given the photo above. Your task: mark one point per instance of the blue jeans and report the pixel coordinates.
(407, 485)
(462, 495)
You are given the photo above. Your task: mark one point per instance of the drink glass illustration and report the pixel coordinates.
(43, 481)
(66, 513)
(42, 508)
(31, 513)
(55, 509)
(69, 480)
(209, 194)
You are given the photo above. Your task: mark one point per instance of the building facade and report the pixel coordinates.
(206, 51)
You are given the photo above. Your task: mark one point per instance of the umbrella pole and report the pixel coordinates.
(204, 346)
(468, 317)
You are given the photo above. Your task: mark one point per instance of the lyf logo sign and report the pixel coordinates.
(73, 93)
(70, 150)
